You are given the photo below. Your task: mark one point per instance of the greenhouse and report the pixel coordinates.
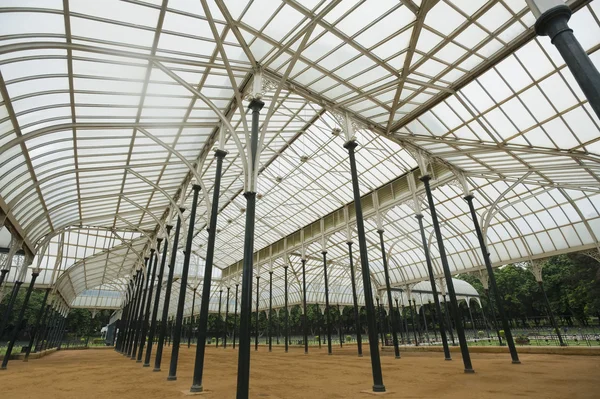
(291, 199)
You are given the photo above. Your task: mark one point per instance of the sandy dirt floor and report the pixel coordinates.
(91, 374)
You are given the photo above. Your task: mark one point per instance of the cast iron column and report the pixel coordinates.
(379, 321)
(183, 289)
(219, 318)
(243, 380)
(125, 315)
(235, 314)
(36, 329)
(492, 278)
(340, 325)
(551, 314)
(436, 299)
(154, 254)
(449, 284)
(304, 314)
(256, 325)
(355, 301)
(135, 314)
(270, 307)
(366, 273)
(287, 312)
(165, 313)
(388, 289)
(552, 20)
(448, 320)
(327, 316)
(400, 322)
(192, 319)
(206, 281)
(139, 328)
(226, 329)
(17, 328)
(161, 271)
(49, 319)
(10, 305)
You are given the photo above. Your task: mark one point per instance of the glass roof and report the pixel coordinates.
(109, 110)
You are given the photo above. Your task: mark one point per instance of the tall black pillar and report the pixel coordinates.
(10, 306)
(144, 330)
(366, 273)
(183, 289)
(388, 288)
(136, 309)
(340, 332)
(235, 306)
(206, 281)
(448, 321)
(43, 343)
(327, 315)
(551, 314)
(219, 330)
(287, 311)
(243, 380)
(140, 322)
(192, 319)
(17, 328)
(164, 321)
(450, 285)
(304, 310)
(41, 336)
(36, 329)
(492, 278)
(120, 330)
(355, 301)
(161, 271)
(270, 308)
(400, 322)
(436, 299)
(226, 329)
(552, 21)
(257, 314)
(379, 320)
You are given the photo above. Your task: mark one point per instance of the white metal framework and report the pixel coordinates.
(109, 109)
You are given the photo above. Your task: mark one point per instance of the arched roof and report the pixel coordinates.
(108, 110)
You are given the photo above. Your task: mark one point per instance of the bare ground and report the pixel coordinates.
(91, 374)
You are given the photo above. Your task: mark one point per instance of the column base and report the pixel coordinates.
(469, 371)
(138, 361)
(360, 355)
(196, 388)
(145, 365)
(448, 358)
(172, 378)
(2, 368)
(516, 362)
(397, 357)
(156, 370)
(378, 388)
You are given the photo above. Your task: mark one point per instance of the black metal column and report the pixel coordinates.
(226, 329)
(191, 330)
(140, 319)
(436, 299)
(161, 271)
(219, 318)
(355, 301)
(399, 320)
(257, 314)
(135, 313)
(270, 309)
(183, 289)
(448, 320)
(10, 305)
(287, 312)
(125, 316)
(379, 319)
(554, 23)
(164, 321)
(551, 314)
(41, 336)
(36, 329)
(154, 254)
(366, 273)
(340, 332)
(388, 289)
(449, 284)
(304, 310)
(492, 278)
(243, 380)
(327, 315)
(235, 307)
(17, 328)
(49, 319)
(206, 282)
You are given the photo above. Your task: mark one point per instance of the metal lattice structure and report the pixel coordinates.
(109, 110)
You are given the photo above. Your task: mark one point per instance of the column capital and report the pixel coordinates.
(350, 145)
(220, 153)
(256, 105)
